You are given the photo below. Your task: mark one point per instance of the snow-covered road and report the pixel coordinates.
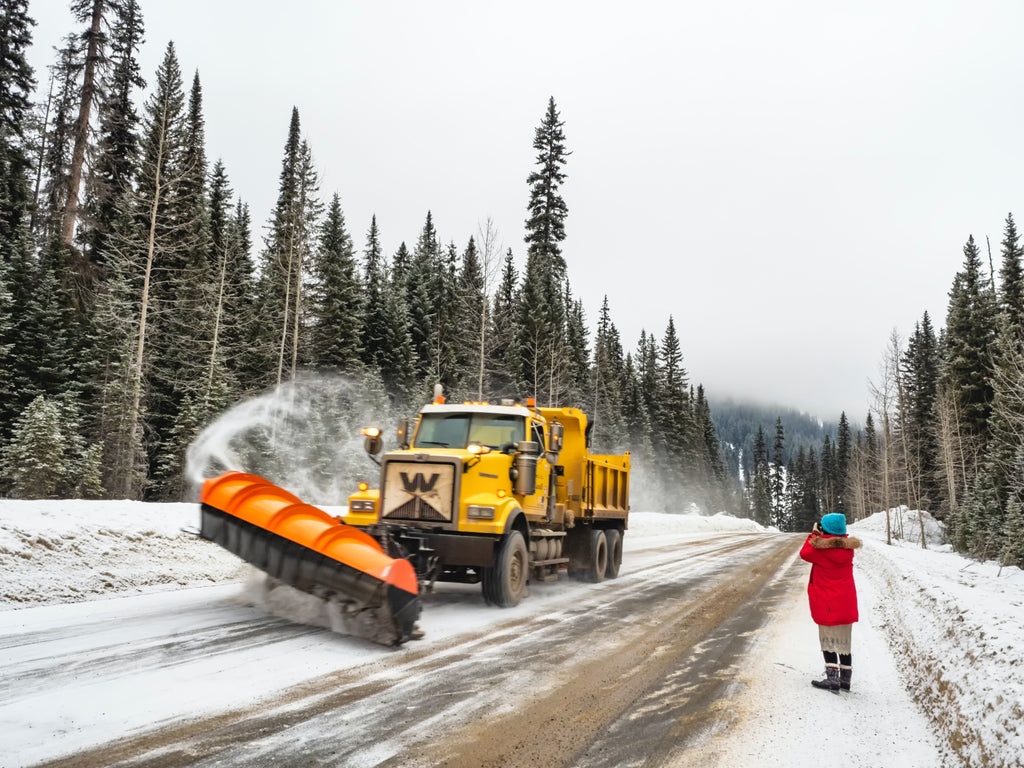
(137, 654)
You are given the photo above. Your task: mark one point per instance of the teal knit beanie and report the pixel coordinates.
(834, 524)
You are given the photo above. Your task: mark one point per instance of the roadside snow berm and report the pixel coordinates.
(304, 547)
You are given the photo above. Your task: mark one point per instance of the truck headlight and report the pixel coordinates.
(482, 513)
(360, 505)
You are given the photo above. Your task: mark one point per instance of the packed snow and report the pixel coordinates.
(938, 672)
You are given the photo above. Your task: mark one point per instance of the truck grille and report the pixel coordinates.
(418, 491)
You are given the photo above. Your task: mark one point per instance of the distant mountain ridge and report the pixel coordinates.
(736, 424)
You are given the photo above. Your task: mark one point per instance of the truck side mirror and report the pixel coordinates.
(555, 433)
(373, 442)
(403, 434)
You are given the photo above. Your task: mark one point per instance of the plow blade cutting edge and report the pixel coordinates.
(304, 547)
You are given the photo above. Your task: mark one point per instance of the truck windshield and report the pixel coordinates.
(457, 430)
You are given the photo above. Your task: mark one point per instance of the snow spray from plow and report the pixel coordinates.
(304, 547)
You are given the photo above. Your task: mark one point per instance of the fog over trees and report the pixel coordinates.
(136, 305)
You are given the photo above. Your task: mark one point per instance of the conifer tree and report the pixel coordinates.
(637, 420)
(446, 333)
(93, 13)
(473, 318)
(374, 330)
(143, 267)
(502, 351)
(542, 313)
(760, 484)
(970, 330)
(421, 282)
(609, 431)
(778, 482)
(115, 166)
(17, 269)
(34, 462)
(577, 358)
(674, 408)
(397, 363)
(57, 141)
(336, 296)
(842, 463)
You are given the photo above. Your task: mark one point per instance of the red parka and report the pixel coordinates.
(831, 590)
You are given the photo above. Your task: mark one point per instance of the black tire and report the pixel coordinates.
(598, 560)
(614, 537)
(504, 584)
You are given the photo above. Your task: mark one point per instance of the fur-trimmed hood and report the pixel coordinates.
(835, 542)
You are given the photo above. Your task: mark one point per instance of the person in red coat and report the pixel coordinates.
(833, 597)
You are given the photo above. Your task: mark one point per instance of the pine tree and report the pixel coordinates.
(542, 313)
(919, 372)
(56, 142)
(970, 330)
(34, 462)
(287, 255)
(637, 420)
(115, 166)
(421, 282)
(502, 352)
(842, 464)
(335, 296)
(397, 362)
(577, 358)
(760, 485)
(374, 330)
(17, 266)
(473, 319)
(778, 482)
(610, 432)
(674, 409)
(545, 225)
(446, 333)
(1011, 280)
(144, 267)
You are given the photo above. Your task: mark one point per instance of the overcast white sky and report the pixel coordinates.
(790, 180)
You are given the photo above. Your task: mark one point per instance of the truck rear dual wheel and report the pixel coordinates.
(504, 584)
(614, 538)
(598, 551)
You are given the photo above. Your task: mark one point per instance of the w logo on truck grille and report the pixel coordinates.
(419, 483)
(419, 491)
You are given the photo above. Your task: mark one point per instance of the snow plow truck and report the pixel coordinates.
(481, 493)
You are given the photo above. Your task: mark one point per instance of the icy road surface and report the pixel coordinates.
(665, 665)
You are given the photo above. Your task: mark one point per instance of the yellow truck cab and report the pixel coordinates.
(494, 493)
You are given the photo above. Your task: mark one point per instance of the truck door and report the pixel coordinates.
(536, 505)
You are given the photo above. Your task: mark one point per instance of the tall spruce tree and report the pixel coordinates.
(542, 313)
(374, 330)
(610, 432)
(336, 296)
(502, 351)
(970, 331)
(115, 165)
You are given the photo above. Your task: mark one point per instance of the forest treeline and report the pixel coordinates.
(135, 305)
(945, 431)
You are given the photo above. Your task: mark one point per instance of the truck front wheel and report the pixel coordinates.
(504, 584)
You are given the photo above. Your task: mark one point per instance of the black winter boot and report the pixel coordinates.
(845, 670)
(831, 681)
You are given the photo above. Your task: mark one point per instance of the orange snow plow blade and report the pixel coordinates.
(304, 547)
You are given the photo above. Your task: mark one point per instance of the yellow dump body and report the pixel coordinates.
(590, 486)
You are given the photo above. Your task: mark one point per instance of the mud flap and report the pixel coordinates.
(304, 547)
